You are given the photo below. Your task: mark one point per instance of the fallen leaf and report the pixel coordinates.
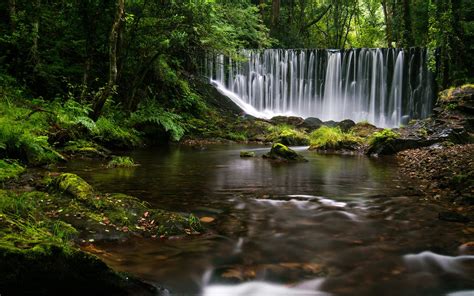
(207, 219)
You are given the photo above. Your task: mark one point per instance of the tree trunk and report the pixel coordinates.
(113, 45)
(407, 29)
(35, 32)
(275, 12)
(388, 24)
(12, 12)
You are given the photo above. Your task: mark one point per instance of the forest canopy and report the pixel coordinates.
(139, 50)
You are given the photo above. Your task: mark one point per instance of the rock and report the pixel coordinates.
(282, 153)
(290, 120)
(312, 123)
(364, 129)
(453, 217)
(74, 185)
(330, 123)
(346, 125)
(247, 154)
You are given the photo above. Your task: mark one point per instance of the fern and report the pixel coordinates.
(150, 112)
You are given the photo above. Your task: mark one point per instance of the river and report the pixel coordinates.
(335, 225)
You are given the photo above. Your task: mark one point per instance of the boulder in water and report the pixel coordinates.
(282, 153)
(247, 154)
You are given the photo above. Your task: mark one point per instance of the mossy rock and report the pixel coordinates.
(247, 154)
(383, 142)
(48, 269)
(283, 153)
(75, 186)
(363, 129)
(86, 149)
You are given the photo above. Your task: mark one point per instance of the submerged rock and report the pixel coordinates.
(282, 153)
(247, 154)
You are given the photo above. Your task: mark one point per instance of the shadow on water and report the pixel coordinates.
(338, 225)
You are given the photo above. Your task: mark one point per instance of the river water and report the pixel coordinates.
(335, 225)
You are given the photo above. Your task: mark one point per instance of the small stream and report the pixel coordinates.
(336, 225)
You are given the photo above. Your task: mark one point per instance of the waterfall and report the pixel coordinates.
(386, 87)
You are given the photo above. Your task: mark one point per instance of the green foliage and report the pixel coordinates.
(111, 132)
(121, 162)
(10, 170)
(237, 136)
(73, 114)
(23, 135)
(23, 222)
(383, 136)
(149, 112)
(332, 138)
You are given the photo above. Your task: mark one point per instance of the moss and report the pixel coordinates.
(121, 162)
(85, 148)
(247, 154)
(384, 136)
(283, 153)
(75, 186)
(287, 135)
(10, 170)
(332, 138)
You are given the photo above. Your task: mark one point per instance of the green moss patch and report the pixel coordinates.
(287, 135)
(382, 137)
(332, 138)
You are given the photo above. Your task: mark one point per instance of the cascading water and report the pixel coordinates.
(386, 87)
